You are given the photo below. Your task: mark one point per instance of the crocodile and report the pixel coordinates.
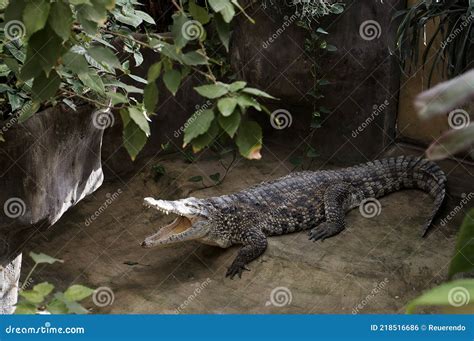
(310, 200)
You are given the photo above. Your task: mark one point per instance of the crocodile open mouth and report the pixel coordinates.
(181, 229)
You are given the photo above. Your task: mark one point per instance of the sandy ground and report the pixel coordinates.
(376, 266)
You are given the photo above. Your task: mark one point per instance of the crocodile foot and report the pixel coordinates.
(236, 268)
(324, 230)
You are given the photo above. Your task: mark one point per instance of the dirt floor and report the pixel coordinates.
(376, 266)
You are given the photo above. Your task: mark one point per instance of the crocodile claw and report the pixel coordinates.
(236, 269)
(323, 231)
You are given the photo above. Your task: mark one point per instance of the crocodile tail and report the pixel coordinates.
(417, 172)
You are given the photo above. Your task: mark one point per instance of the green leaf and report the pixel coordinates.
(104, 56)
(28, 110)
(44, 288)
(451, 294)
(223, 31)
(35, 15)
(140, 118)
(197, 125)
(93, 81)
(134, 139)
(194, 58)
(463, 260)
(199, 13)
(40, 258)
(179, 20)
(451, 143)
(257, 92)
(25, 308)
(249, 140)
(236, 86)
(43, 52)
(215, 177)
(321, 31)
(75, 62)
(145, 16)
(154, 72)
(446, 96)
(44, 88)
(150, 97)
(61, 19)
(172, 80)
(231, 123)
(204, 140)
(224, 7)
(32, 296)
(77, 293)
(246, 101)
(227, 105)
(212, 91)
(196, 178)
(57, 307)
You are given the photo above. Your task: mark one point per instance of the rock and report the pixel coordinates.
(47, 165)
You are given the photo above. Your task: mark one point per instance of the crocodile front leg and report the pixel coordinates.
(254, 244)
(337, 199)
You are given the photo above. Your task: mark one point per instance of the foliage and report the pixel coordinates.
(65, 51)
(42, 299)
(445, 294)
(451, 41)
(437, 101)
(311, 10)
(441, 99)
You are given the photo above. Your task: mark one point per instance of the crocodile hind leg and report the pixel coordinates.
(337, 200)
(254, 244)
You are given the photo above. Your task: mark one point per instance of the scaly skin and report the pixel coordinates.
(315, 201)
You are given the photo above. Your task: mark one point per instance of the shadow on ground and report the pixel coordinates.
(376, 266)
